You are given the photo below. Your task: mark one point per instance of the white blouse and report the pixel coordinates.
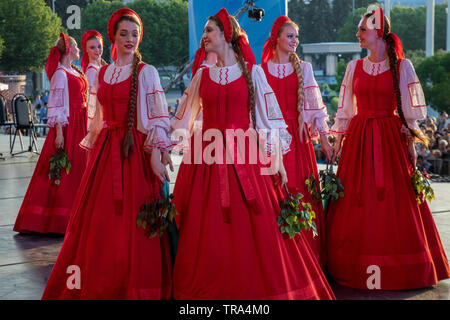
(314, 110)
(151, 107)
(268, 113)
(58, 100)
(413, 100)
(91, 74)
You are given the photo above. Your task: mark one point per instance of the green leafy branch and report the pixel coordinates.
(292, 220)
(59, 161)
(422, 186)
(154, 217)
(331, 187)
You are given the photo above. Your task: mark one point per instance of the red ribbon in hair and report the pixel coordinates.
(53, 58)
(88, 34)
(200, 56)
(247, 52)
(398, 46)
(271, 43)
(112, 21)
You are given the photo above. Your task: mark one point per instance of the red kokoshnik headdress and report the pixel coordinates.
(379, 26)
(53, 57)
(225, 19)
(271, 43)
(88, 34)
(112, 21)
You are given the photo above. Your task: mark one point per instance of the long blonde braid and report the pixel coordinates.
(295, 61)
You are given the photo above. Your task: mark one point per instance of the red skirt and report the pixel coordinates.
(378, 222)
(116, 260)
(46, 206)
(300, 163)
(245, 257)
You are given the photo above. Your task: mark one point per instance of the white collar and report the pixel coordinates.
(70, 70)
(280, 70)
(375, 68)
(225, 75)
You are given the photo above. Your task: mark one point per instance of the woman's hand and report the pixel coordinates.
(166, 160)
(326, 147)
(158, 167)
(281, 170)
(337, 147)
(59, 139)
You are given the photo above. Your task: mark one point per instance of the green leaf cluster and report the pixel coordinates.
(59, 161)
(434, 75)
(29, 29)
(292, 219)
(330, 188)
(422, 186)
(154, 217)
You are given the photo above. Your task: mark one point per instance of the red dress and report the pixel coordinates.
(378, 222)
(300, 162)
(46, 206)
(230, 246)
(116, 259)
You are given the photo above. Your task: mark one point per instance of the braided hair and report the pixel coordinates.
(393, 62)
(237, 31)
(295, 62)
(128, 142)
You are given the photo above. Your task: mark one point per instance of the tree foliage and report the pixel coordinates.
(29, 29)
(2, 46)
(434, 75)
(165, 25)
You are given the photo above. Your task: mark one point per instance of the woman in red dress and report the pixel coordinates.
(115, 259)
(92, 47)
(378, 236)
(47, 205)
(230, 246)
(301, 103)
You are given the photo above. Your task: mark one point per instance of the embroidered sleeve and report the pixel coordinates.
(314, 110)
(152, 113)
(413, 100)
(91, 75)
(347, 101)
(95, 125)
(188, 112)
(58, 101)
(268, 114)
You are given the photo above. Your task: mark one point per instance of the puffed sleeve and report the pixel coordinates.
(152, 113)
(95, 125)
(413, 100)
(58, 100)
(347, 101)
(314, 110)
(91, 75)
(269, 118)
(188, 112)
